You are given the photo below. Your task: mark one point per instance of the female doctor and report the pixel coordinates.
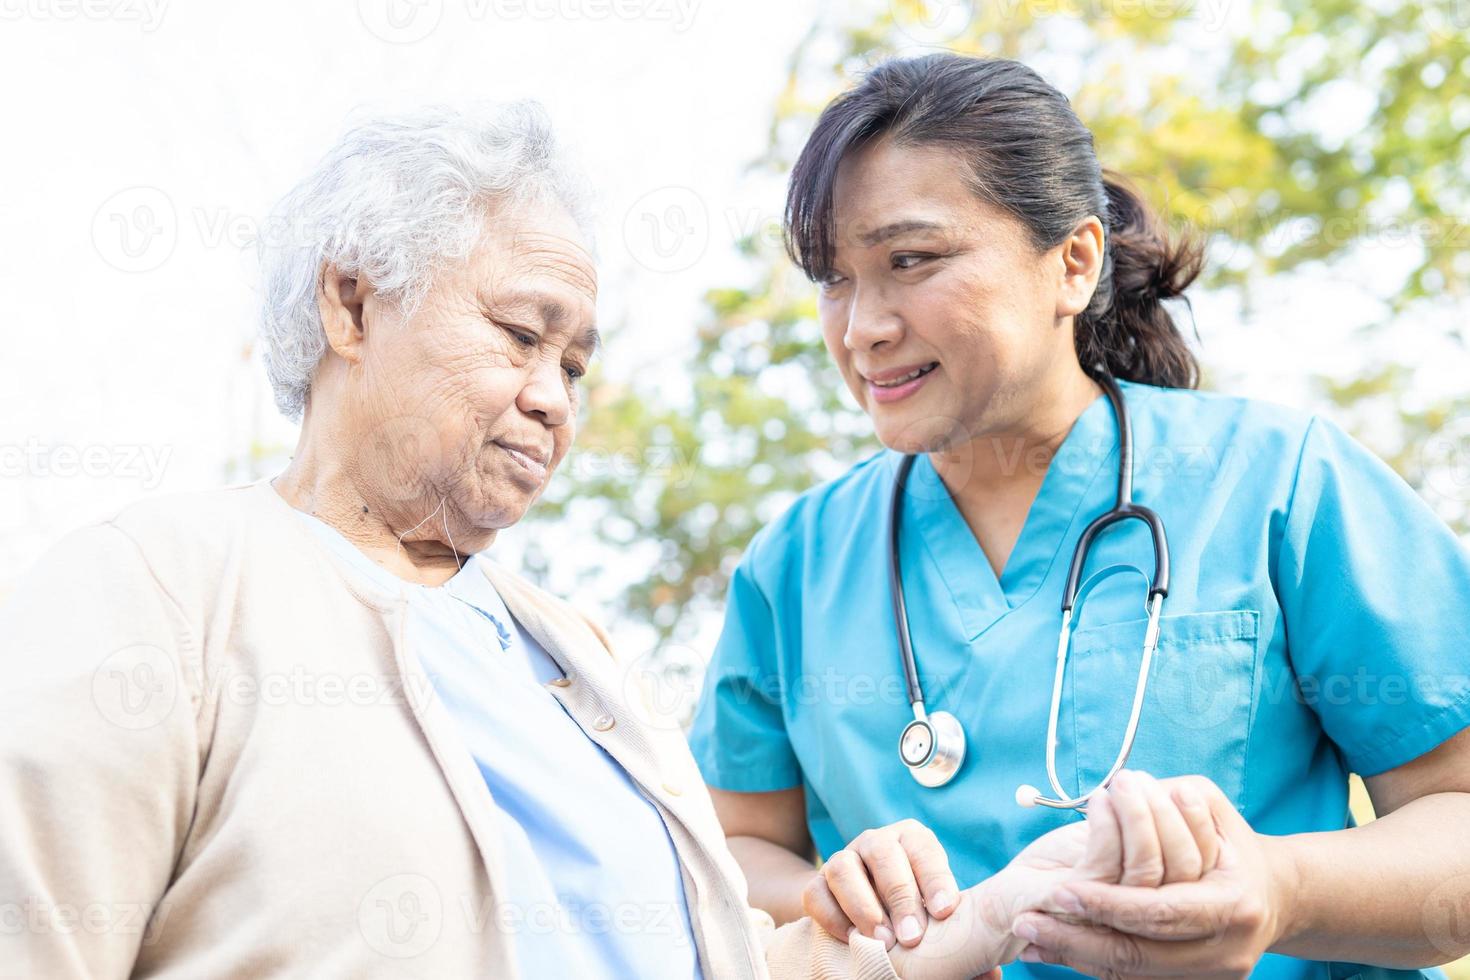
(1297, 613)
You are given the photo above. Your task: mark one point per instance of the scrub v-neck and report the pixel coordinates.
(981, 598)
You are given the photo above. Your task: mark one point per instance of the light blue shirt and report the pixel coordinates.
(595, 886)
(1316, 625)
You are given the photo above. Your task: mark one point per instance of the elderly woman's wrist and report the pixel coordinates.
(977, 936)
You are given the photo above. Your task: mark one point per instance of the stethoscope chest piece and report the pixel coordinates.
(933, 748)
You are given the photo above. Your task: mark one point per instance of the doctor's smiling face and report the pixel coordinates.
(947, 322)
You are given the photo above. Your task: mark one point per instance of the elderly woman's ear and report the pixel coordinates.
(341, 299)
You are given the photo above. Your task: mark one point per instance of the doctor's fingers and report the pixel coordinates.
(847, 880)
(1111, 954)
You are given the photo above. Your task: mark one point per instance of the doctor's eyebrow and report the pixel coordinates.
(895, 228)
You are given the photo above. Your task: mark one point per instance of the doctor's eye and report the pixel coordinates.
(907, 260)
(830, 281)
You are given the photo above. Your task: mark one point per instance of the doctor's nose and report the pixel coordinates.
(870, 323)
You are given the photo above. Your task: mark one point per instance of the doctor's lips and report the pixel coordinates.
(891, 386)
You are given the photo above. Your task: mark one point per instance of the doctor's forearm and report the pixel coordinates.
(776, 876)
(1386, 893)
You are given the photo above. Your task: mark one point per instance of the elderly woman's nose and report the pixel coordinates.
(547, 393)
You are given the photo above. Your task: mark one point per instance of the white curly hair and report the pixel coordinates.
(391, 201)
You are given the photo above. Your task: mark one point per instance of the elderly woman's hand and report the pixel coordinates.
(1140, 831)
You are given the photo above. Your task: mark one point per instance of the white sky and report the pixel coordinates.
(185, 120)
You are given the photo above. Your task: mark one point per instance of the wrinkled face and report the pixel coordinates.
(940, 313)
(472, 399)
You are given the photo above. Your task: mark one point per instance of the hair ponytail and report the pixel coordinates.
(1126, 330)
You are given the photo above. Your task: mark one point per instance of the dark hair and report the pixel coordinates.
(1030, 155)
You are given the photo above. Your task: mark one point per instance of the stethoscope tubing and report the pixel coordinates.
(1123, 509)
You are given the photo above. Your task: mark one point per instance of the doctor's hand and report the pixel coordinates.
(887, 884)
(1141, 831)
(1163, 925)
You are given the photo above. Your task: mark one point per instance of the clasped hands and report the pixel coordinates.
(894, 883)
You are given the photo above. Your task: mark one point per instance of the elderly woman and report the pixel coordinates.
(304, 726)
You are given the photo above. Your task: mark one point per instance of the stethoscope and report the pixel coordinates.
(932, 746)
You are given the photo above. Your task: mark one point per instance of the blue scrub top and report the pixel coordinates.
(1315, 626)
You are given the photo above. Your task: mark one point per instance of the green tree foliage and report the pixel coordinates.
(1243, 131)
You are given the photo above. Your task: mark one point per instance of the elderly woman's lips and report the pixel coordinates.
(528, 458)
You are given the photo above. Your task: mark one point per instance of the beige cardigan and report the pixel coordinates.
(218, 758)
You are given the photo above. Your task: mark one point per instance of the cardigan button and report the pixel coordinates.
(560, 682)
(603, 722)
(672, 790)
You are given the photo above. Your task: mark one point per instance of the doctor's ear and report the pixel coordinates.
(1081, 265)
(341, 300)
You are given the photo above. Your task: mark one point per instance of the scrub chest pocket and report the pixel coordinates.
(1196, 718)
